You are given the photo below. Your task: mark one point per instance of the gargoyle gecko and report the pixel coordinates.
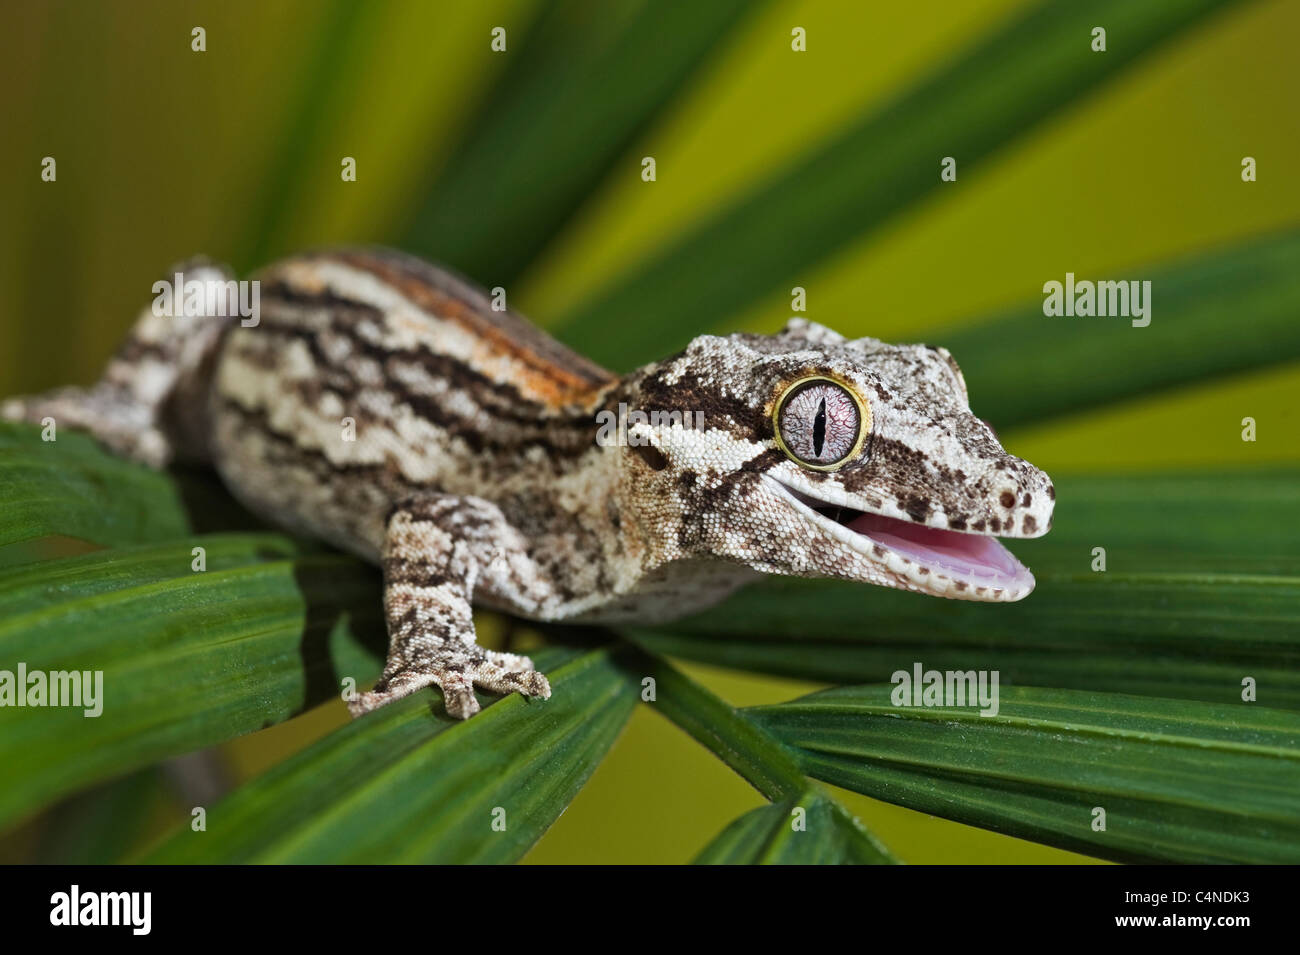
(474, 475)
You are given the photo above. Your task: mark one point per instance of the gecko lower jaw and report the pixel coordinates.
(927, 559)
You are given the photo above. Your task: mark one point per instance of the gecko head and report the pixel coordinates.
(808, 454)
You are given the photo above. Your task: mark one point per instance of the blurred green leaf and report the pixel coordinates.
(586, 79)
(188, 659)
(1227, 311)
(72, 486)
(99, 826)
(406, 785)
(1179, 781)
(1033, 68)
(768, 836)
(337, 50)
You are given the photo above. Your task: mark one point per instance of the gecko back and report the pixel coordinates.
(373, 377)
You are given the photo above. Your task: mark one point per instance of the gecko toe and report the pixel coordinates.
(457, 682)
(458, 696)
(528, 682)
(537, 685)
(507, 673)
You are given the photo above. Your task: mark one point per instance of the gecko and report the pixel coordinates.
(390, 408)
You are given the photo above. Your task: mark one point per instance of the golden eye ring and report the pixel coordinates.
(801, 386)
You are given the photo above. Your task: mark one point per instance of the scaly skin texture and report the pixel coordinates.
(382, 405)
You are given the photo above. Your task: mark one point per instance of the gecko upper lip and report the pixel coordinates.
(975, 565)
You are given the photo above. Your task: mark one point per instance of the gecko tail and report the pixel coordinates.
(151, 404)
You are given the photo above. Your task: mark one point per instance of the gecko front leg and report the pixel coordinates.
(437, 550)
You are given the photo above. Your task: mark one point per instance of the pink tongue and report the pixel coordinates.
(965, 555)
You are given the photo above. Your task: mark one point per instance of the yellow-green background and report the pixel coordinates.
(163, 153)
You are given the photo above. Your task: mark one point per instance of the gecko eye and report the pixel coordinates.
(820, 423)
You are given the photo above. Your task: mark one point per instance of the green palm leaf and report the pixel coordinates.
(808, 830)
(577, 78)
(1095, 361)
(70, 486)
(1187, 637)
(1031, 69)
(1177, 781)
(104, 824)
(826, 832)
(187, 659)
(407, 785)
(340, 34)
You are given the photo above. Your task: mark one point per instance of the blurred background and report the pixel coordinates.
(523, 169)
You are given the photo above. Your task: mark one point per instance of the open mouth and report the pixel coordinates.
(930, 559)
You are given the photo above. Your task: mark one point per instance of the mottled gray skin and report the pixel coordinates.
(384, 406)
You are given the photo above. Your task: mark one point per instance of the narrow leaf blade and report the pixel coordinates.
(810, 829)
(407, 785)
(72, 487)
(583, 83)
(1177, 781)
(1191, 637)
(1097, 361)
(186, 659)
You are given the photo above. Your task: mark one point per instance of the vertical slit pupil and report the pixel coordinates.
(819, 429)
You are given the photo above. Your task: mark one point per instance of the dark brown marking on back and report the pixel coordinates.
(562, 376)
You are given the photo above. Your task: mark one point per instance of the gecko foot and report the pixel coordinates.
(456, 671)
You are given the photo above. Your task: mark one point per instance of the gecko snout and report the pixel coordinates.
(1019, 500)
